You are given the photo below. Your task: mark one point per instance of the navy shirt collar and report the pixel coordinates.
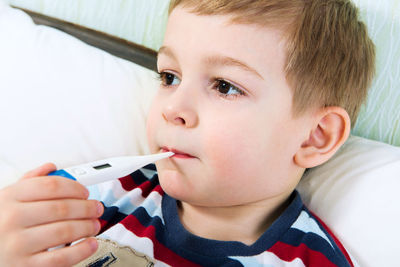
(181, 239)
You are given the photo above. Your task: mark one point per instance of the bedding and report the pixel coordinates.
(356, 194)
(143, 22)
(66, 102)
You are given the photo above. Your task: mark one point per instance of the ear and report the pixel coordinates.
(331, 129)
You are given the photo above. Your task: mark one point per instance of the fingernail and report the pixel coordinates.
(97, 226)
(93, 244)
(99, 209)
(86, 192)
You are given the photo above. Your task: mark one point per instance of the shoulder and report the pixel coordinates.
(309, 239)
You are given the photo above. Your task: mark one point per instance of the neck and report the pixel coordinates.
(244, 223)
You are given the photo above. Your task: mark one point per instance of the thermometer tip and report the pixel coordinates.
(169, 154)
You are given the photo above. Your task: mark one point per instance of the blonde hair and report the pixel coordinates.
(330, 58)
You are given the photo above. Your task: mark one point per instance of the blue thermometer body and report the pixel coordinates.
(108, 169)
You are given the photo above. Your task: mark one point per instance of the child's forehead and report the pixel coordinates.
(216, 41)
(216, 60)
(216, 28)
(230, 19)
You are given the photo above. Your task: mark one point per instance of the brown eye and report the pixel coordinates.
(227, 89)
(168, 79)
(223, 87)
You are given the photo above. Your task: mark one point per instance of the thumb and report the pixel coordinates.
(40, 171)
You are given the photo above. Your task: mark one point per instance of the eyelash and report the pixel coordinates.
(162, 76)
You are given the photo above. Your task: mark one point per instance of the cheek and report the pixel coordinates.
(246, 148)
(229, 148)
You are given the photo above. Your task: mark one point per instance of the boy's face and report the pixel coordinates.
(225, 101)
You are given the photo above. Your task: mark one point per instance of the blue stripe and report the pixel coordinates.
(62, 173)
(112, 216)
(139, 177)
(315, 242)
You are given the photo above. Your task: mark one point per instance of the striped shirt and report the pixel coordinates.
(140, 215)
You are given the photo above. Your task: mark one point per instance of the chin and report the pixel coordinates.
(171, 182)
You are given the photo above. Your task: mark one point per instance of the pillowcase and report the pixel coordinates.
(64, 101)
(356, 194)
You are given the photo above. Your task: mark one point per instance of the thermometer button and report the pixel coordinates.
(79, 171)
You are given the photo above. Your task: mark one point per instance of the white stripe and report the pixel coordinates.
(148, 173)
(268, 259)
(113, 194)
(104, 190)
(124, 237)
(307, 224)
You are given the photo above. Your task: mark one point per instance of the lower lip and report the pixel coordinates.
(179, 156)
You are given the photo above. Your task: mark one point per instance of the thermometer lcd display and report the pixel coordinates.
(102, 166)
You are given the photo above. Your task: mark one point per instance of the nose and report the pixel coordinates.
(180, 108)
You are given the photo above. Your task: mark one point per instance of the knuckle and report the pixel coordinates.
(51, 185)
(61, 209)
(66, 233)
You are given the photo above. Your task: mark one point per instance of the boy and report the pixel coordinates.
(252, 93)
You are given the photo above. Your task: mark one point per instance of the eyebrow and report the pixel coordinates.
(216, 60)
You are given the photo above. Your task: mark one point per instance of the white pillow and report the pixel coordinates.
(356, 194)
(64, 101)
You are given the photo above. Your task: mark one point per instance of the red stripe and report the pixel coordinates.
(161, 252)
(338, 243)
(104, 225)
(147, 188)
(127, 183)
(159, 190)
(309, 257)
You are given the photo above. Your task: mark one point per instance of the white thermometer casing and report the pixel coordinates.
(108, 169)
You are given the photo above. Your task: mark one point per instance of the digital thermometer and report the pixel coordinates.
(108, 169)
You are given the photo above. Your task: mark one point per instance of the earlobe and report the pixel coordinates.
(328, 134)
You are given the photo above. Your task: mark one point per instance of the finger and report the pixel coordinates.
(67, 256)
(43, 237)
(40, 171)
(26, 214)
(48, 188)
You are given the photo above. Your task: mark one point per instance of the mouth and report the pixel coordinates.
(178, 154)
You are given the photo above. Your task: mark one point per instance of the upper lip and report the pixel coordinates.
(176, 151)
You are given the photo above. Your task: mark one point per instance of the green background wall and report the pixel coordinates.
(140, 21)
